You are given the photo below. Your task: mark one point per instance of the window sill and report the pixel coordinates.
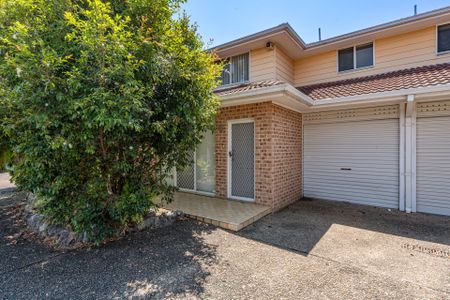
(196, 192)
(356, 70)
(443, 52)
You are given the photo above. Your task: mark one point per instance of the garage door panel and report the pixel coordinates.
(344, 185)
(357, 196)
(371, 192)
(351, 180)
(369, 148)
(340, 180)
(439, 209)
(437, 197)
(433, 164)
(324, 171)
(369, 199)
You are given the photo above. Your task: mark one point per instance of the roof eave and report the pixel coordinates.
(306, 49)
(388, 95)
(287, 90)
(380, 27)
(261, 34)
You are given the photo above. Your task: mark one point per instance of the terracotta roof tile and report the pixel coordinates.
(246, 87)
(403, 79)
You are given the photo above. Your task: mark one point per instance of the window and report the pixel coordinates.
(200, 175)
(355, 57)
(346, 59)
(236, 69)
(443, 38)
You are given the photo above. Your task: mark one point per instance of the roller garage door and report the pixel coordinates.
(353, 155)
(433, 158)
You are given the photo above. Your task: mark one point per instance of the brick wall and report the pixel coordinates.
(287, 158)
(261, 114)
(277, 152)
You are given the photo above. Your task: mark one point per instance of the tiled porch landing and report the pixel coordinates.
(228, 214)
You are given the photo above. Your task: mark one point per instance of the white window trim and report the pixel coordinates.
(354, 58)
(231, 84)
(437, 40)
(229, 148)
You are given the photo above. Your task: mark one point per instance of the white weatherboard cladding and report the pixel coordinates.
(433, 158)
(354, 161)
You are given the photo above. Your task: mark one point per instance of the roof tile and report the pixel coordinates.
(397, 80)
(246, 87)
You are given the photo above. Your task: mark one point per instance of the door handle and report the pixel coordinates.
(346, 169)
(230, 153)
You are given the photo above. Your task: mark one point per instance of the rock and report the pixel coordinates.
(63, 237)
(84, 238)
(43, 228)
(52, 230)
(70, 238)
(148, 222)
(35, 221)
(29, 208)
(170, 215)
(31, 198)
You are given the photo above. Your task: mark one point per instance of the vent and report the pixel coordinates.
(359, 114)
(433, 109)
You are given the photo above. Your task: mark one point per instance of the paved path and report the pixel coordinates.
(5, 184)
(313, 250)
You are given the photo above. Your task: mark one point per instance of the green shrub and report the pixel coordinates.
(100, 100)
(5, 158)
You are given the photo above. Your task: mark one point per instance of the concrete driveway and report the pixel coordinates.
(311, 250)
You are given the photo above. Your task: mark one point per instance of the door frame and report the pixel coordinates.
(229, 148)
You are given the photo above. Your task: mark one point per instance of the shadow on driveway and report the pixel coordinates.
(153, 264)
(398, 247)
(302, 225)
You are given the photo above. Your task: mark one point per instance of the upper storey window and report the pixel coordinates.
(355, 57)
(236, 69)
(443, 38)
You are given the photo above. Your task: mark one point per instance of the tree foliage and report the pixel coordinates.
(100, 100)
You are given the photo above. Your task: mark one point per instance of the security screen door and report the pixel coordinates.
(241, 155)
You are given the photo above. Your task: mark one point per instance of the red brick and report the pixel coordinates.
(277, 152)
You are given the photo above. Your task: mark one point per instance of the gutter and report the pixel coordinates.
(382, 27)
(384, 95)
(304, 46)
(259, 35)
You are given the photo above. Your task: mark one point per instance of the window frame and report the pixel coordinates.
(354, 58)
(227, 85)
(437, 40)
(196, 190)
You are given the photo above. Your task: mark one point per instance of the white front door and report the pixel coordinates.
(241, 160)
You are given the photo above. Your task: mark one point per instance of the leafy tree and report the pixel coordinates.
(100, 100)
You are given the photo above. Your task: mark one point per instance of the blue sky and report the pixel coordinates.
(226, 20)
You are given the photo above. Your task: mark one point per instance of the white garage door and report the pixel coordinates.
(433, 158)
(353, 156)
